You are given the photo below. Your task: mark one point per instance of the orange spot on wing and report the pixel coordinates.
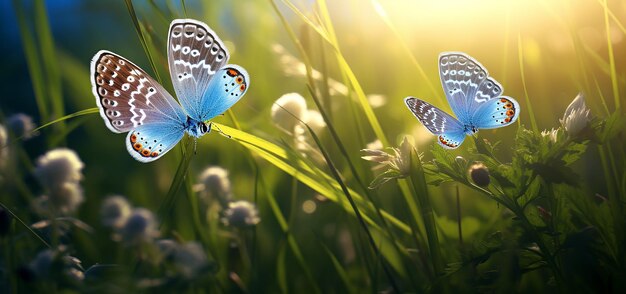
(231, 72)
(239, 80)
(508, 119)
(137, 146)
(503, 100)
(133, 138)
(154, 154)
(145, 152)
(510, 112)
(242, 88)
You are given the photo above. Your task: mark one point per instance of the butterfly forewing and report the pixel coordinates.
(449, 130)
(128, 97)
(195, 53)
(461, 74)
(433, 118)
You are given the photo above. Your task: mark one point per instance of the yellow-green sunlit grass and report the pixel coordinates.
(547, 218)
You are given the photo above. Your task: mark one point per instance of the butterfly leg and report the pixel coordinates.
(211, 125)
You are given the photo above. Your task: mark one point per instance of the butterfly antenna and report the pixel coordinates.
(220, 131)
(195, 146)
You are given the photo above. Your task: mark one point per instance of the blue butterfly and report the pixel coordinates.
(131, 101)
(474, 98)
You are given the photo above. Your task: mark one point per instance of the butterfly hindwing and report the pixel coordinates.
(127, 96)
(195, 53)
(225, 89)
(496, 113)
(149, 142)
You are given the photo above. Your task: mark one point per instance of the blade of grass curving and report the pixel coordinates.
(343, 66)
(420, 190)
(167, 206)
(19, 220)
(363, 98)
(520, 51)
(32, 60)
(281, 269)
(159, 12)
(182, 3)
(357, 212)
(601, 96)
(66, 117)
(614, 82)
(49, 61)
(303, 17)
(140, 34)
(355, 174)
(199, 228)
(343, 276)
(293, 245)
(280, 218)
(305, 174)
(380, 10)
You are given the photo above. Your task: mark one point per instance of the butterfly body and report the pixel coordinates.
(473, 96)
(131, 101)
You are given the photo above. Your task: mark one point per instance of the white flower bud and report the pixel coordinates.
(576, 117)
(287, 110)
(241, 214)
(140, 227)
(115, 211)
(58, 167)
(215, 184)
(21, 125)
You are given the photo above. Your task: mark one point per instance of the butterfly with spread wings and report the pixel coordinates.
(474, 98)
(131, 101)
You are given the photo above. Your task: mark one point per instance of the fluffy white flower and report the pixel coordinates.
(140, 227)
(115, 211)
(314, 120)
(21, 125)
(58, 167)
(241, 214)
(63, 200)
(215, 184)
(287, 110)
(576, 117)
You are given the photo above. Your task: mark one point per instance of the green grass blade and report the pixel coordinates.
(167, 206)
(142, 38)
(343, 66)
(32, 60)
(19, 220)
(49, 60)
(305, 173)
(614, 81)
(418, 183)
(370, 236)
(66, 117)
(383, 15)
(520, 50)
(343, 275)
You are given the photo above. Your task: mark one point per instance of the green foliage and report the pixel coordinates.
(552, 219)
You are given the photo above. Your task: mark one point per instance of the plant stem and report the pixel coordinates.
(418, 184)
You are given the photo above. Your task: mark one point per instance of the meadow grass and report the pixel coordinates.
(548, 216)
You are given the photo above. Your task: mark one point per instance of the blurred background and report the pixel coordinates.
(542, 52)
